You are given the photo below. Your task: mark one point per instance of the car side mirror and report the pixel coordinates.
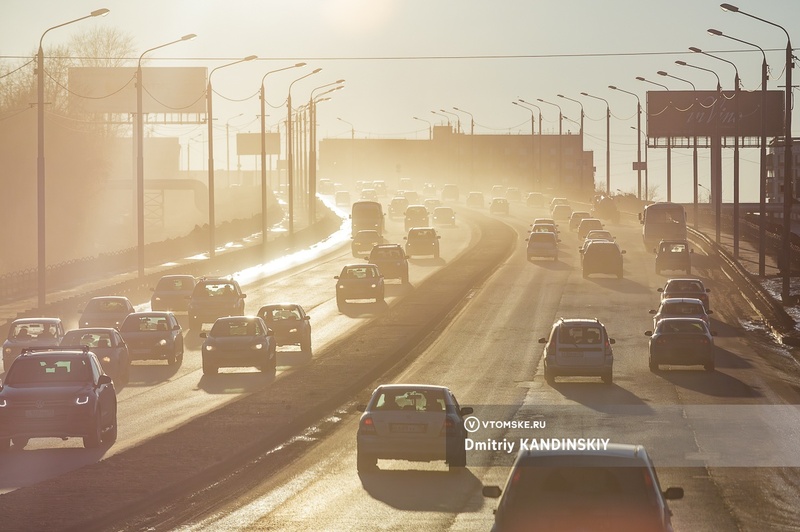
(648, 333)
(152, 289)
(659, 290)
(405, 238)
(623, 251)
(244, 296)
(104, 379)
(438, 236)
(335, 276)
(673, 494)
(652, 311)
(492, 492)
(708, 290)
(612, 341)
(176, 327)
(709, 312)
(270, 332)
(307, 318)
(713, 333)
(542, 340)
(691, 251)
(466, 410)
(203, 335)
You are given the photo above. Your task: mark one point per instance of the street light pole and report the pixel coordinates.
(430, 128)
(669, 146)
(471, 144)
(788, 181)
(40, 173)
(228, 146)
(312, 147)
(458, 119)
(290, 150)
(560, 135)
(539, 148)
(140, 153)
(608, 141)
(533, 174)
(264, 183)
(580, 156)
(638, 139)
(210, 119)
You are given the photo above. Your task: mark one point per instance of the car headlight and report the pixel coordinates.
(7, 350)
(373, 285)
(341, 286)
(3, 403)
(82, 400)
(106, 360)
(208, 347)
(292, 331)
(156, 299)
(257, 347)
(162, 342)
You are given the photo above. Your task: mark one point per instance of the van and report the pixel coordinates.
(367, 215)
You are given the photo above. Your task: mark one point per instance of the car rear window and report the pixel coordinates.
(682, 309)
(144, 323)
(686, 327)
(167, 284)
(580, 334)
(106, 305)
(46, 370)
(214, 290)
(546, 238)
(413, 400)
(685, 286)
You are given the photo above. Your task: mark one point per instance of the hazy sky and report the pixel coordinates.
(405, 58)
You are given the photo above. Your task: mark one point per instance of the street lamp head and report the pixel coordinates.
(695, 49)
(189, 37)
(640, 78)
(560, 95)
(681, 63)
(540, 100)
(339, 81)
(250, 58)
(584, 94)
(317, 70)
(99, 12)
(299, 65)
(712, 31)
(729, 7)
(612, 87)
(662, 73)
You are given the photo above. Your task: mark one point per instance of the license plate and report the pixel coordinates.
(39, 413)
(415, 428)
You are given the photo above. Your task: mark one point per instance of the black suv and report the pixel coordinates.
(58, 392)
(391, 261)
(601, 256)
(215, 298)
(674, 255)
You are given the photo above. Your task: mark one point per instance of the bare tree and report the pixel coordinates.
(102, 46)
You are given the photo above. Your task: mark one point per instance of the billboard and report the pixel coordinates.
(709, 113)
(168, 90)
(250, 143)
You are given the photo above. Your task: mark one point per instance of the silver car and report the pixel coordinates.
(415, 422)
(30, 332)
(578, 347)
(681, 307)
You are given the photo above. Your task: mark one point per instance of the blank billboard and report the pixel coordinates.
(169, 90)
(250, 143)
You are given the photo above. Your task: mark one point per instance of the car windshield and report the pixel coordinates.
(110, 306)
(214, 290)
(233, 328)
(681, 326)
(682, 309)
(144, 323)
(359, 272)
(88, 339)
(422, 234)
(48, 370)
(386, 254)
(411, 399)
(169, 284)
(580, 334)
(32, 331)
(280, 313)
(685, 286)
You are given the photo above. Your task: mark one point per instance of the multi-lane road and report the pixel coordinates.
(726, 437)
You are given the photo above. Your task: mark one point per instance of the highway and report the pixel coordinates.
(726, 437)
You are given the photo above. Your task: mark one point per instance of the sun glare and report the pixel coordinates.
(357, 16)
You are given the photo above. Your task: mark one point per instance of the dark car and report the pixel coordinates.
(681, 341)
(215, 298)
(364, 241)
(391, 260)
(601, 256)
(30, 332)
(105, 311)
(416, 216)
(686, 288)
(588, 224)
(359, 281)
(109, 347)
(450, 192)
(239, 341)
(153, 336)
(422, 241)
(172, 293)
(575, 219)
(444, 216)
(498, 206)
(605, 208)
(674, 255)
(57, 393)
(289, 323)
(612, 488)
(534, 199)
(397, 206)
(475, 199)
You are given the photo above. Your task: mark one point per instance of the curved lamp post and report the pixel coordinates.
(312, 146)
(669, 144)
(290, 150)
(40, 174)
(445, 116)
(537, 179)
(638, 141)
(210, 118)
(471, 143)
(580, 156)
(430, 126)
(560, 146)
(264, 184)
(608, 141)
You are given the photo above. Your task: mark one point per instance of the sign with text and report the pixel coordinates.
(713, 114)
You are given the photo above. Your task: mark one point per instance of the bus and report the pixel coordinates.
(662, 221)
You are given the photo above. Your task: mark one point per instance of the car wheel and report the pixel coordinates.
(608, 378)
(110, 435)
(208, 369)
(124, 373)
(549, 377)
(5, 443)
(305, 345)
(91, 441)
(436, 255)
(709, 366)
(653, 366)
(619, 274)
(172, 359)
(340, 302)
(404, 278)
(658, 271)
(20, 442)
(366, 462)
(459, 460)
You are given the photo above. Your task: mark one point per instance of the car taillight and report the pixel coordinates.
(367, 426)
(703, 340)
(448, 428)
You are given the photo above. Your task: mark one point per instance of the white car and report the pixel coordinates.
(541, 244)
(415, 422)
(681, 307)
(578, 347)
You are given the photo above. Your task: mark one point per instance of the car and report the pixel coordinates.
(600, 234)
(153, 336)
(109, 347)
(172, 292)
(544, 228)
(215, 297)
(681, 307)
(364, 241)
(681, 341)
(428, 191)
(578, 347)
(601, 256)
(562, 212)
(105, 311)
(542, 244)
(588, 224)
(289, 323)
(586, 243)
(534, 199)
(415, 422)
(513, 194)
(614, 487)
(397, 206)
(380, 187)
(476, 200)
(416, 216)
(57, 393)
(369, 194)
(412, 196)
(498, 206)
(674, 255)
(575, 219)
(498, 191)
(405, 183)
(544, 221)
(432, 203)
(359, 281)
(422, 241)
(239, 342)
(391, 261)
(450, 192)
(444, 216)
(558, 201)
(342, 198)
(686, 288)
(605, 208)
(30, 332)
